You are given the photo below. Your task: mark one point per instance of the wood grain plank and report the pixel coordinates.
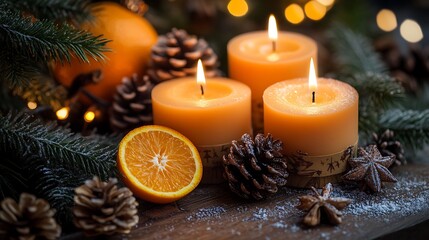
(213, 212)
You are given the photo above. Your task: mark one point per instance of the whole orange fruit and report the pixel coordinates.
(132, 39)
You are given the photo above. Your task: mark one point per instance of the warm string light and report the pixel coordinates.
(32, 105)
(410, 30)
(314, 10)
(63, 113)
(89, 116)
(386, 20)
(237, 8)
(294, 13)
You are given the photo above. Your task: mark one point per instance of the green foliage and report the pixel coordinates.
(25, 135)
(411, 127)
(12, 182)
(382, 98)
(354, 52)
(377, 92)
(49, 161)
(43, 41)
(57, 185)
(75, 11)
(28, 45)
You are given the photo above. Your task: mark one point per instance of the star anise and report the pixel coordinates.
(322, 206)
(370, 168)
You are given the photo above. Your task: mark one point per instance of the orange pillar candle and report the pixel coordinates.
(318, 136)
(210, 120)
(260, 60)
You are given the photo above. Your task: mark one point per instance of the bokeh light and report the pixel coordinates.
(314, 10)
(63, 113)
(294, 13)
(326, 3)
(32, 105)
(411, 31)
(89, 116)
(386, 20)
(238, 8)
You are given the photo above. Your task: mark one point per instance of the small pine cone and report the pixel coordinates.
(30, 218)
(255, 169)
(176, 55)
(103, 209)
(132, 104)
(388, 146)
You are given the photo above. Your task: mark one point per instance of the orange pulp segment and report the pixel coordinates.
(159, 164)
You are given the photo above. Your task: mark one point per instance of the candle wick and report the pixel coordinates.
(274, 42)
(314, 97)
(202, 89)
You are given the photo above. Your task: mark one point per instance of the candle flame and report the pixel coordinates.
(312, 79)
(201, 79)
(272, 28)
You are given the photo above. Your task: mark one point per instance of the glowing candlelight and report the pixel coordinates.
(312, 80)
(272, 31)
(201, 79)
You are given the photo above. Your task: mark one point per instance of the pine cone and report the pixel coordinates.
(389, 146)
(410, 69)
(30, 218)
(255, 169)
(103, 209)
(132, 104)
(176, 54)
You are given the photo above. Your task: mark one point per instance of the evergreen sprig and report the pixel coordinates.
(57, 185)
(354, 52)
(377, 92)
(43, 41)
(411, 127)
(26, 136)
(75, 11)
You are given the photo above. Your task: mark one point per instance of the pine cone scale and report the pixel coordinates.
(252, 169)
(132, 106)
(30, 218)
(176, 55)
(116, 213)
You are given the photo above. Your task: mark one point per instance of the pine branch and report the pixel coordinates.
(12, 182)
(27, 136)
(411, 127)
(16, 70)
(57, 187)
(43, 41)
(377, 92)
(354, 52)
(75, 11)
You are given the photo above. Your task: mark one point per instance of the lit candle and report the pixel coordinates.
(259, 60)
(211, 114)
(317, 120)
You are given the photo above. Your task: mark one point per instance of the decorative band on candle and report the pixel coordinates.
(320, 166)
(211, 157)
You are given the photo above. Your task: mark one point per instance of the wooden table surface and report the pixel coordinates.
(213, 212)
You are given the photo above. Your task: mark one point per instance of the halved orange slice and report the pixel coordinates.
(159, 164)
